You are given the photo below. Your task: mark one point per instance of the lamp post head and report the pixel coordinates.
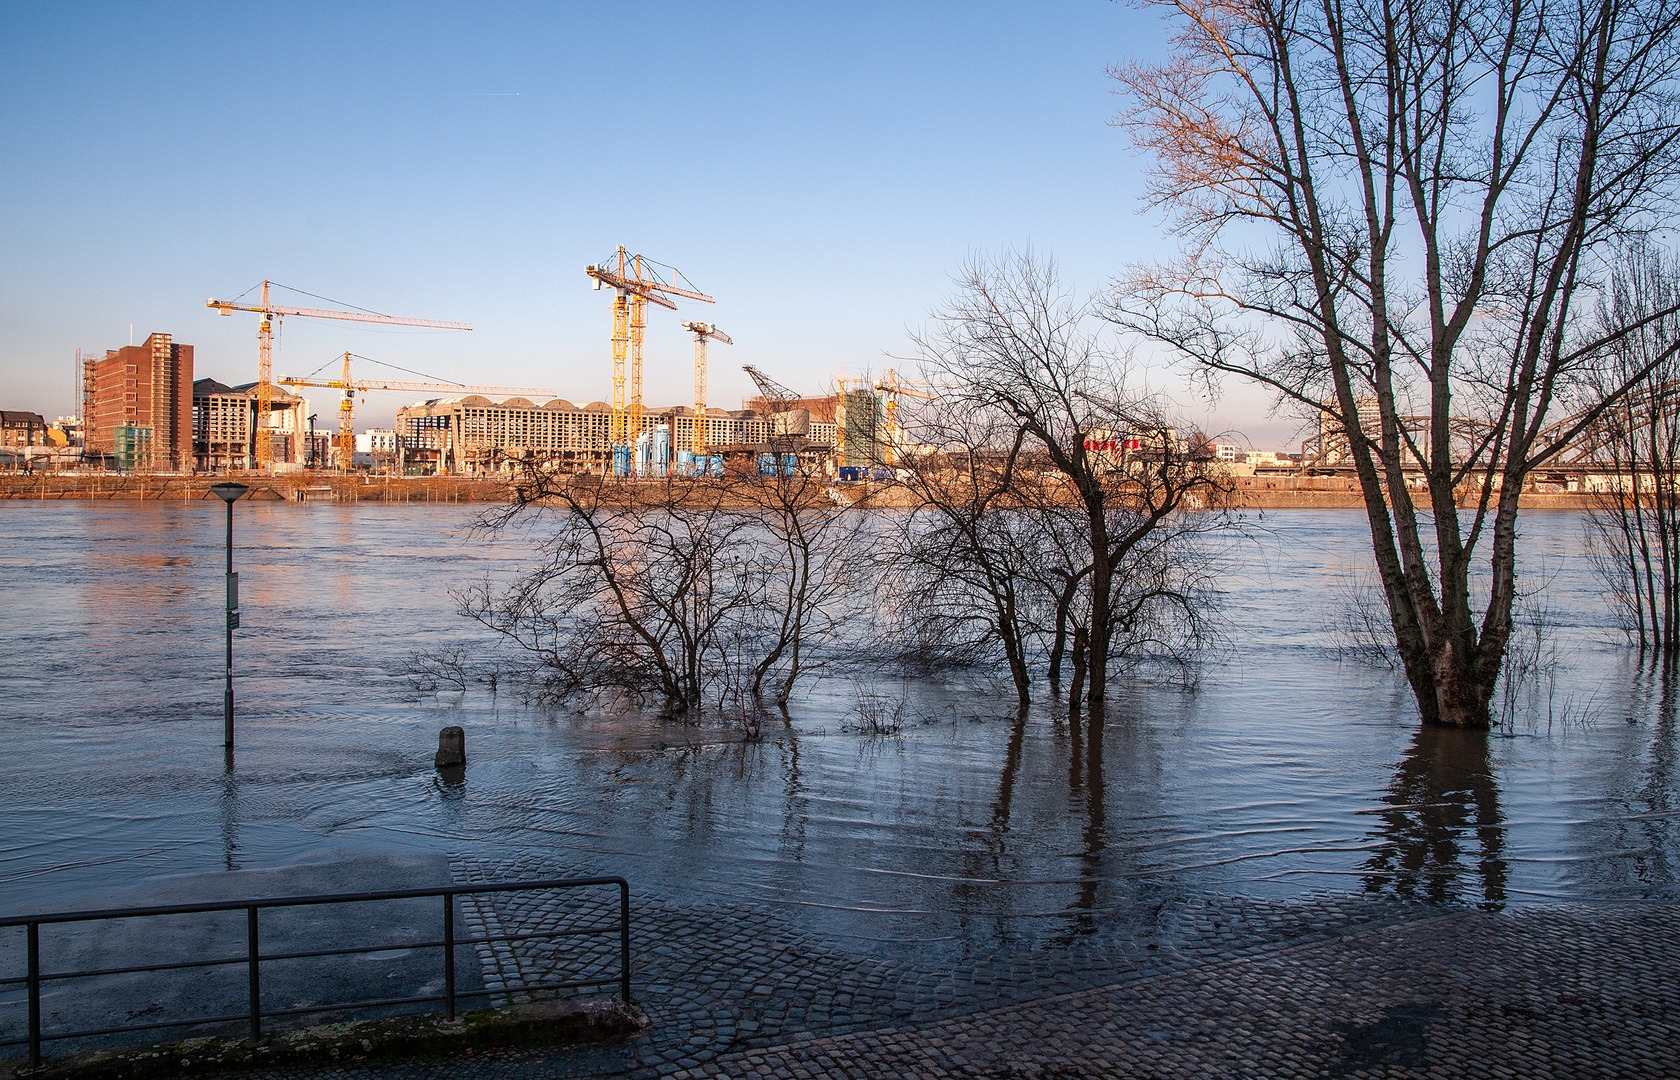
(228, 492)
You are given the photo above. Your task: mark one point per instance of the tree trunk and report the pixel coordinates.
(1080, 650)
(1102, 596)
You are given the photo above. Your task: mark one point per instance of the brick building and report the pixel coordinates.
(141, 396)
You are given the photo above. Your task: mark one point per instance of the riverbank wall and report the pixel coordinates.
(48, 487)
(1248, 493)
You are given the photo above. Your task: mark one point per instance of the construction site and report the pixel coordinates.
(142, 412)
(147, 428)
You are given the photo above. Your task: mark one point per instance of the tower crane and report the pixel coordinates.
(890, 386)
(638, 283)
(271, 315)
(346, 401)
(701, 332)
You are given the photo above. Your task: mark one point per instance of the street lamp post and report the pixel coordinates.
(229, 493)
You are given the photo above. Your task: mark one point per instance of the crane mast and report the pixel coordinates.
(701, 332)
(890, 386)
(271, 316)
(636, 283)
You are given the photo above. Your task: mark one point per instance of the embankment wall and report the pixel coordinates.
(1283, 493)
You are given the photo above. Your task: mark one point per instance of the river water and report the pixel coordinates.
(1286, 771)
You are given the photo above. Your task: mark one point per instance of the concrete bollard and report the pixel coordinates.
(452, 748)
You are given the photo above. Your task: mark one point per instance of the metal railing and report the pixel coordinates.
(254, 958)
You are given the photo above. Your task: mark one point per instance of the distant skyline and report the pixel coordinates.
(823, 171)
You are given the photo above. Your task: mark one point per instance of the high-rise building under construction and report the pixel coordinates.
(139, 404)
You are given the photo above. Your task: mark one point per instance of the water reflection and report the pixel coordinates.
(1284, 771)
(1442, 834)
(1086, 790)
(228, 811)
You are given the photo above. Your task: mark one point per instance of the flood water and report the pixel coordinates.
(1285, 771)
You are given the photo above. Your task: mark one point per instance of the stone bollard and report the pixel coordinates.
(452, 748)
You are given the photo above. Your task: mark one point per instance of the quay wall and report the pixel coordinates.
(1284, 493)
(48, 487)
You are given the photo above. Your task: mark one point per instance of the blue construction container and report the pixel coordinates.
(850, 474)
(685, 463)
(790, 464)
(767, 464)
(716, 465)
(621, 460)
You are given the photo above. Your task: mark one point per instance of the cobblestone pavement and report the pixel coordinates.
(1325, 985)
(1578, 992)
(719, 977)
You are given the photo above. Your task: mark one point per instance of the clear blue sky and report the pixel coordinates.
(821, 169)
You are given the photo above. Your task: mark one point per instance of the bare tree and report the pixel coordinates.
(960, 566)
(807, 551)
(686, 591)
(638, 585)
(1496, 146)
(1035, 413)
(1634, 528)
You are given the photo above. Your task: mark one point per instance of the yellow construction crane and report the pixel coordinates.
(890, 386)
(348, 388)
(701, 332)
(638, 282)
(271, 315)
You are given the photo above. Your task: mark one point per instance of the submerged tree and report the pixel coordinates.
(1391, 211)
(806, 551)
(680, 591)
(1635, 525)
(1060, 506)
(635, 592)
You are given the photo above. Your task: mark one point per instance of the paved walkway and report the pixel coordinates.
(1578, 992)
(1324, 986)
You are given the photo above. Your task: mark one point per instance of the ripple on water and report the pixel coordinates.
(1283, 773)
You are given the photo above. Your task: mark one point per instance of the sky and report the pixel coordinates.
(822, 170)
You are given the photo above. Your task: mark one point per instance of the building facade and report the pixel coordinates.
(1332, 446)
(142, 387)
(473, 434)
(376, 441)
(223, 418)
(22, 429)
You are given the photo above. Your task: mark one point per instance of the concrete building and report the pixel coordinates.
(470, 434)
(223, 418)
(860, 412)
(141, 396)
(376, 441)
(69, 429)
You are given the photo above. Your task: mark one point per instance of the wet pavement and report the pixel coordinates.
(1578, 991)
(1322, 985)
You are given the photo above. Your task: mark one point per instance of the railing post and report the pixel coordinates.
(251, 962)
(624, 941)
(35, 995)
(449, 955)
